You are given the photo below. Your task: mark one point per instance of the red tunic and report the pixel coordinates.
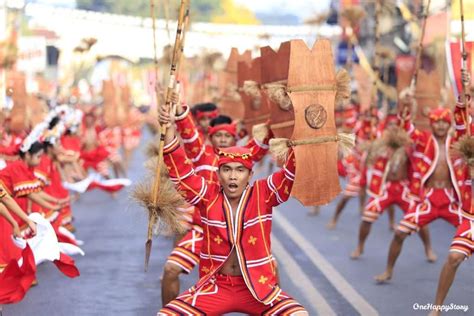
(19, 181)
(248, 234)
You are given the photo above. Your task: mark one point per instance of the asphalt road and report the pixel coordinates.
(314, 264)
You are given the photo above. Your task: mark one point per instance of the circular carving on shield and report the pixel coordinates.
(315, 115)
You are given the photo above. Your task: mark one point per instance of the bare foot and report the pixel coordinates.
(356, 253)
(314, 211)
(331, 225)
(383, 278)
(431, 256)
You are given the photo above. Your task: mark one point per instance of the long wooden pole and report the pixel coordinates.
(171, 85)
(464, 69)
(420, 49)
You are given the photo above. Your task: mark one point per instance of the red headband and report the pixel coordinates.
(236, 154)
(392, 118)
(209, 114)
(440, 114)
(230, 128)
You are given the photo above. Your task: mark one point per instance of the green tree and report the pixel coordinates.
(201, 10)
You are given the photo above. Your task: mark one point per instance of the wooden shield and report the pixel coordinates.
(17, 82)
(428, 88)
(110, 104)
(275, 66)
(312, 89)
(256, 112)
(230, 103)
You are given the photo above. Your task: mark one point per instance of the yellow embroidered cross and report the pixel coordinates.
(286, 190)
(205, 270)
(195, 149)
(188, 161)
(263, 279)
(218, 240)
(252, 240)
(187, 131)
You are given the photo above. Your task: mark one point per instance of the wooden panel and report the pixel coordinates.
(17, 82)
(229, 104)
(317, 180)
(428, 88)
(256, 111)
(275, 66)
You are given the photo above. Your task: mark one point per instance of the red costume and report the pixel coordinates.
(18, 181)
(186, 253)
(248, 234)
(463, 241)
(436, 203)
(382, 193)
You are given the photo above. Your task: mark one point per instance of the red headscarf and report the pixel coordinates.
(236, 154)
(230, 128)
(209, 114)
(440, 114)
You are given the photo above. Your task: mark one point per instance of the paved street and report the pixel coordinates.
(314, 264)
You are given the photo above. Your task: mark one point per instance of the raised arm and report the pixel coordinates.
(194, 188)
(193, 141)
(259, 148)
(277, 187)
(461, 119)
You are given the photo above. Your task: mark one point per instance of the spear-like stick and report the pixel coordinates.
(376, 67)
(464, 69)
(173, 67)
(420, 48)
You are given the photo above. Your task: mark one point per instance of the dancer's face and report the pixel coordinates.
(234, 178)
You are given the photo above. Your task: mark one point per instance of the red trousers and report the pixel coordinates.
(395, 193)
(225, 294)
(438, 203)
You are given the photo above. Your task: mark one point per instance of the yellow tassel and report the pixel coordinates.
(260, 132)
(279, 148)
(343, 81)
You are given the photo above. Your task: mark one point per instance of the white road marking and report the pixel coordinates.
(300, 280)
(336, 279)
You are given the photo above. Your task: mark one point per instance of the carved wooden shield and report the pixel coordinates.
(428, 87)
(17, 82)
(230, 103)
(256, 112)
(312, 89)
(110, 104)
(275, 66)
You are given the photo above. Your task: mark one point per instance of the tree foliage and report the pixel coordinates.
(201, 10)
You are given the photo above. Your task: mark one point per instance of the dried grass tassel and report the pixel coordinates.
(346, 142)
(279, 147)
(260, 132)
(251, 88)
(165, 213)
(277, 93)
(354, 14)
(343, 82)
(464, 148)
